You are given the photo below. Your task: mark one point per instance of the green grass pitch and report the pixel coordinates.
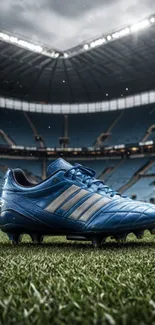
(61, 282)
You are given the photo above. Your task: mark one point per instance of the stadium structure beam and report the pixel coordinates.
(68, 80)
(2, 62)
(46, 61)
(138, 58)
(145, 59)
(28, 68)
(16, 70)
(122, 60)
(27, 55)
(37, 78)
(18, 54)
(7, 68)
(33, 60)
(4, 50)
(93, 74)
(51, 81)
(81, 80)
(92, 65)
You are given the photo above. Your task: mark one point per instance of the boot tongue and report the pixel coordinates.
(58, 165)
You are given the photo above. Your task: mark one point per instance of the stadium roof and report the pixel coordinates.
(114, 65)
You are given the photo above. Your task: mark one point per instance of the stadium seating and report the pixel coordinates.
(2, 141)
(34, 166)
(143, 189)
(127, 126)
(123, 173)
(151, 170)
(14, 124)
(84, 129)
(151, 136)
(49, 126)
(132, 126)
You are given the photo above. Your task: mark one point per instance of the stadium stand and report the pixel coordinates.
(91, 126)
(34, 166)
(34, 130)
(151, 170)
(132, 126)
(129, 176)
(84, 130)
(5, 139)
(124, 172)
(144, 189)
(151, 136)
(99, 75)
(50, 127)
(92, 104)
(126, 127)
(2, 141)
(14, 124)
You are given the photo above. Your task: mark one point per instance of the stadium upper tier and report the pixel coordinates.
(124, 102)
(122, 64)
(83, 130)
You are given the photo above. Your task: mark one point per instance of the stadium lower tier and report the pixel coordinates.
(132, 177)
(83, 130)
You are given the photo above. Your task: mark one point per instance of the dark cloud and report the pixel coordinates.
(70, 8)
(65, 23)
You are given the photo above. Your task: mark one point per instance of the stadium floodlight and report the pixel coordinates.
(4, 37)
(109, 37)
(92, 44)
(98, 42)
(65, 55)
(147, 143)
(152, 20)
(141, 25)
(121, 33)
(27, 45)
(86, 47)
(104, 39)
(115, 35)
(145, 23)
(56, 55)
(53, 54)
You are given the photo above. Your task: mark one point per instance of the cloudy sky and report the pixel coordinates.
(66, 23)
